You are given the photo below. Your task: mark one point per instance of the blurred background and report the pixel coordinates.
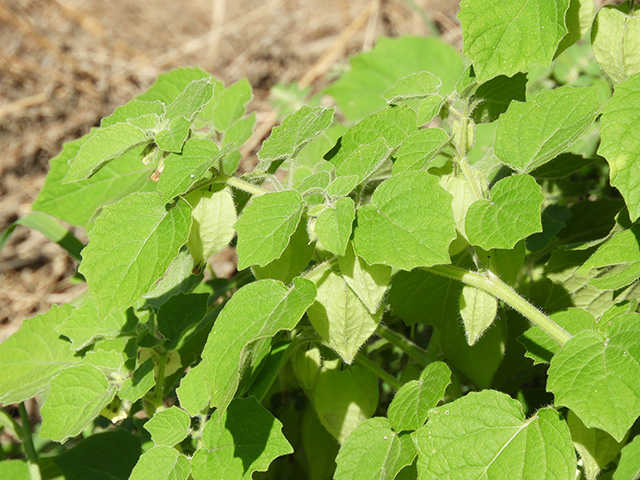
(65, 64)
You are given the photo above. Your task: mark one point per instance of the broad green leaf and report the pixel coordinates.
(171, 138)
(183, 171)
(339, 316)
(314, 182)
(191, 100)
(485, 435)
(212, 220)
(103, 456)
(193, 392)
(229, 104)
(296, 131)
(244, 439)
(629, 466)
(365, 160)
(368, 282)
(596, 375)
(76, 397)
(179, 278)
(417, 150)
(578, 20)
(541, 346)
(511, 213)
(359, 92)
(621, 149)
(616, 263)
(293, 261)
(410, 407)
(104, 145)
(416, 86)
(131, 245)
(142, 380)
(545, 126)
(494, 96)
(258, 310)
(161, 463)
(428, 109)
(32, 356)
(131, 110)
(345, 398)
(463, 196)
(334, 225)
(374, 451)
(15, 470)
(319, 446)
(509, 37)
(342, 186)
(177, 315)
(595, 447)
(169, 427)
(237, 135)
(615, 39)
(408, 224)
(266, 225)
(77, 202)
(478, 310)
(169, 85)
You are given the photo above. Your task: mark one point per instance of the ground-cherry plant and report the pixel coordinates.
(436, 280)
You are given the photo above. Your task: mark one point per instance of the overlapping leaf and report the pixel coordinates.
(333, 225)
(161, 463)
(418, 149)
(168, 427)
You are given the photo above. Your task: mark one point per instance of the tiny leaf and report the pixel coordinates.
(168, 427)
(333, 225)
(478, 310)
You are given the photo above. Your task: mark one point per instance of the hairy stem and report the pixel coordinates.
(240, 184)
(27, 443)
(407, 346)
(378, 371)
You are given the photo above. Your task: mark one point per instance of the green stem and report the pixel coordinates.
(27, 442)
(407, 346)
(160, 380)
(240, 184)
(434, 345)
(490, 283)
(378, 371)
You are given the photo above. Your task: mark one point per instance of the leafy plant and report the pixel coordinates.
(445, 289)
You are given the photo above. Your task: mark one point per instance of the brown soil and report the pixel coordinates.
(64, 64)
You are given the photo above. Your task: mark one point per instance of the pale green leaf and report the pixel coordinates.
(578, 20)
(339, 316)
(374, 451)
(478, 310)
(410, 406)
(416, 86)
(104, 145)
(485, 435)
(368, 282)
(365, 160)
(334, 225)
(131, 245)
(179, 278)
(14, 470)
(212, 220)
(342, 186)
(76, 397)
(619, 145)
(314, 182)
(629, 466)
(344, 398)
(258, 310)
(169, 85)
(597, 376)
(169, 427)
(171, 138)
(133, 109)
(246, 438)
(142, 380)
(32, 356)
(509, 37)
(428, 109)
(408, 223)
(237, 135)
(417, 150)
(493, 97)
(266, 225)
(193, 392)
(463, 195)
(545, 126)
(161, 463)
(191, 100)
(319, 446)
(615, 39)
(512, 212)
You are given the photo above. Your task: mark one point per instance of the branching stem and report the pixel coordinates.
(407, 346)
(378, 371)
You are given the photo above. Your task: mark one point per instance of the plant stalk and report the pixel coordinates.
(160, 380)
(407, 346)
(240, 184)
(378, 371)
(27, 443)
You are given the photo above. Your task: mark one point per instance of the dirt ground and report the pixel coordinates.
(64, 64)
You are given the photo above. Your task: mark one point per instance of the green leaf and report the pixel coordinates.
(320, 447)
(368, 282)
(417, 150)
(344, 398)
(511, 213)
(596, 375)
(510, 37)
(212, 220)
(374, 451)
(545, 126)
(578, 20)
(595, 447)
(76, 397)
(258, 310)
(179, 278)
(408, 223)
(132, 110)
(237, 135)
(178, 314)
(618, 146)
(478, 310)
(169, 85)
(463, 196)
(364, 161)
(266, 225)
(193, 392)
(494, 96)
(104, 145)
(161, 463)
(296, 131)
(314, 182)
(169, 427)
(629, 466)
(33, 355)
(359, 92)
(512, 447)
(191, 100)
(142, 380)
(131, 245)
(415, 86)
(171, 139)
(14, 470)
(428, 109)
(339, 316)
(103, 456)
(244, 439)
(410, 407)
(615, 39)
(333, 225)
(342, 186)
